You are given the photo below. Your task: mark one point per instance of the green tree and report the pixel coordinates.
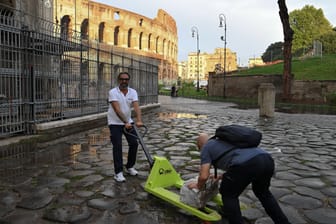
(273, 52)
(329, 42)
(308, 24)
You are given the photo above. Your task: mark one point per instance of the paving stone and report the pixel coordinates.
(84, 194)
(299, 201)
(322, 215)
(104, 203)
(142, 196)
(264, 220)
(129, 208)
(108, 217)
(305, 191)
(68, 199)
(138, 219)
(330, 191)
(62, 169)
(36, 200)
(81, 166)
(8, 202)
(279, 192)
(301, 167)
(68, 214)
(303, 173)
(286, 176)
(310, 182)
(281, 183)
(117, 191)
(331, 179)
(252, 213)
(89, 180)
(332, 202)
(293, 215)
(78, 173)
(21, 218)
(321, 166)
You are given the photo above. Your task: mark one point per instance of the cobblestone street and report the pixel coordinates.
(81, 189)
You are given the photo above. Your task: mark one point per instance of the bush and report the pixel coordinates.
(188, 89)
(331, 99)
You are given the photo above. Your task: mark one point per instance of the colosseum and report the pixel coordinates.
(60, 58)
(134, 33)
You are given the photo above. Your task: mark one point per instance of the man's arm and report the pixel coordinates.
(204, 174)
(120, 114)
(137, 111)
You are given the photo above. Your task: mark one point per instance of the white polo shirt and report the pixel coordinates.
(125, 103)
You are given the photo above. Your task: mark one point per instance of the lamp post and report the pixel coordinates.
(193, 31)
(222, 19)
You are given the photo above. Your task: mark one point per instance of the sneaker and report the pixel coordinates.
(119, 177)
(131, 171)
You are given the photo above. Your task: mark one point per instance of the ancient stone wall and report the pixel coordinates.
(135, 33)
(312, 91)
(246, 86)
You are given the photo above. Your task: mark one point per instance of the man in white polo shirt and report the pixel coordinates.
(122, 98)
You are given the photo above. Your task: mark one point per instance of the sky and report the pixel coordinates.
(252, 25)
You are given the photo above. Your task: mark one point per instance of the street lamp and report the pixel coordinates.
(193, 31)
(222, 19)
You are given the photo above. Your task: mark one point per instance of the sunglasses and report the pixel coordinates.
(121, 79)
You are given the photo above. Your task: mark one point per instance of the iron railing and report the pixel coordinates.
(49, 73)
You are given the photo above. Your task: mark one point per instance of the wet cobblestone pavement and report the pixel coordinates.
(81, 189)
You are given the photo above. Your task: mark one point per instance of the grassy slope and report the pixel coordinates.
(308, 69)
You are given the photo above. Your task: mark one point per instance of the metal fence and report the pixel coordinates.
(48, 73)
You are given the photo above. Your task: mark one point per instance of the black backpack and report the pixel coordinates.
(238, 136)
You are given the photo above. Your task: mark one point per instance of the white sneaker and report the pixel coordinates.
(131, 171)
(119, 177)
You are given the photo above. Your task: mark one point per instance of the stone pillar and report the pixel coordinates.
(266, 99)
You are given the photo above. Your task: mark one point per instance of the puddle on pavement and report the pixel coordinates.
(21, 162)
(170, 115)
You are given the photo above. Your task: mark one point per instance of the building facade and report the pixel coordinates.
(200, 66)
(253, 62)
(182, 69)
(129, 31)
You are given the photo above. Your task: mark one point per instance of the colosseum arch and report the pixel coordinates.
(168, 49)
(140, 41)
(65, 27)
(157, 45)
(116, 36)
(101, 32)
(129, 38)
(171, 49)
(164, 51)
(85, 29)
(149, 41)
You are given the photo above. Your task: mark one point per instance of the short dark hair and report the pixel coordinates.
(122, 73)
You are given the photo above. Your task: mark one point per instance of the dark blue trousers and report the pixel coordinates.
(258, 171)
(116, 132)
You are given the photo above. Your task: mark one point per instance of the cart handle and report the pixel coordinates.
(139, 137)
(127, 131)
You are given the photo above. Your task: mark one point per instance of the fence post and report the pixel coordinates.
(266, 99)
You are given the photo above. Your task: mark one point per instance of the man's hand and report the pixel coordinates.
(128, 125)
(139, 124)
(192, 185)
